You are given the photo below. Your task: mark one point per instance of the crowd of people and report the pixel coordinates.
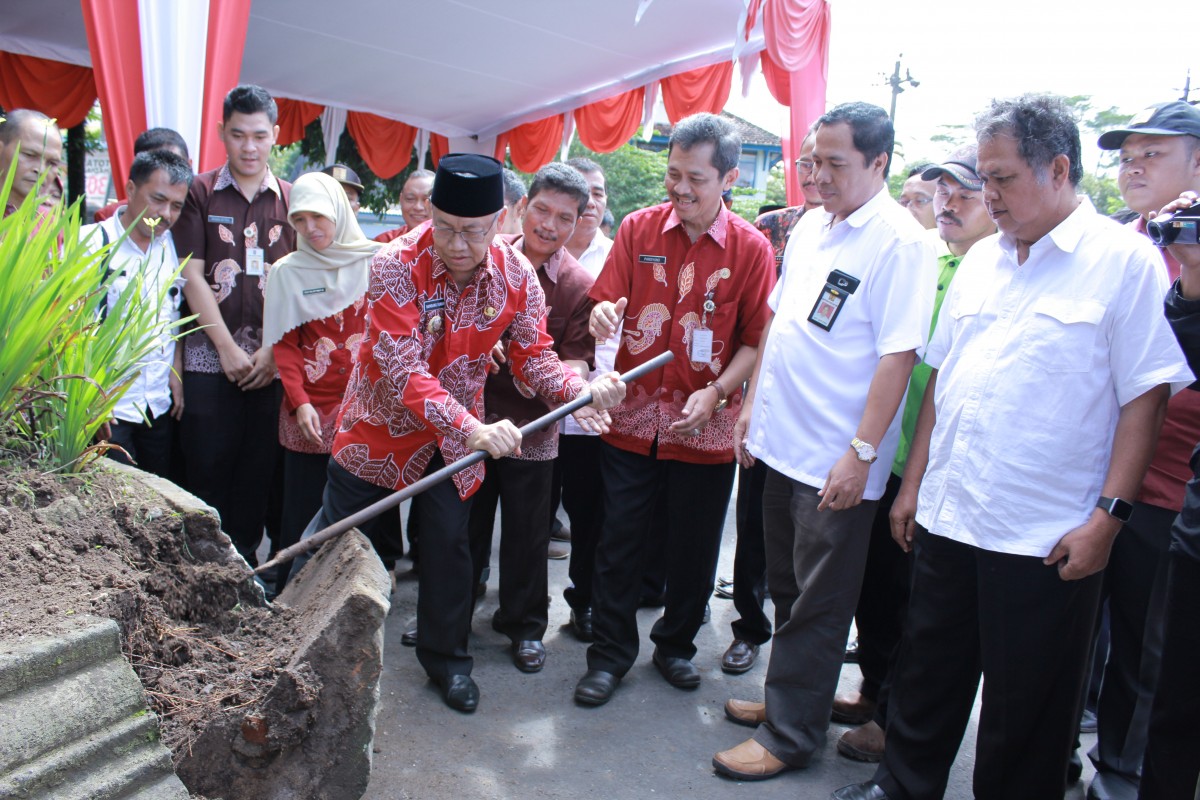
(955, 419)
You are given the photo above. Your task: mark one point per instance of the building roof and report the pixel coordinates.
(751, 133)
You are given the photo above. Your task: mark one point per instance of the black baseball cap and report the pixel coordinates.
(960, 166)
(344, 175)
(1175, 118)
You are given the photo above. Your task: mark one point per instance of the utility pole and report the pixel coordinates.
(897, 84)
(1187, 88)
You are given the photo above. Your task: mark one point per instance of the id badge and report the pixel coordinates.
(254, 261)
(838, 288)
(702, 344)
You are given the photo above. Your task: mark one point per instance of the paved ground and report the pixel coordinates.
(530, 740)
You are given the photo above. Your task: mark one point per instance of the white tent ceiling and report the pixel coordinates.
(455, 67)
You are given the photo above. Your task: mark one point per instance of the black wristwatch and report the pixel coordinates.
(1116, 507)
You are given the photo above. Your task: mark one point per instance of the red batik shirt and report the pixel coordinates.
(667, 279)
(314, 363)
(418, 384)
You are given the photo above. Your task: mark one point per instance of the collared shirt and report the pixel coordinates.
(947, 268)
(668, 280)
(314, 362)
(777, 226)
(150, 392)
(389, 236)
(605, 353)
(568, 308)
(1035, 361)
(1170, 469)
(418, 384)
(217, 225)
(813, 383)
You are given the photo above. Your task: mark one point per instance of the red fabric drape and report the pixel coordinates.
(385, 144)
(607, 124)
(438, 146)
(115, 45)
(227, 22)
(294, 117)
(501, 148)
(61, 91)
(535, 144)
(796, 67)
(703, 89)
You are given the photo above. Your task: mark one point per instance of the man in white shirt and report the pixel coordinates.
(1051, 365)
(157, 188)
(851, 312)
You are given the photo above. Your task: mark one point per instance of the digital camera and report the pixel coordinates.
(1182, 227)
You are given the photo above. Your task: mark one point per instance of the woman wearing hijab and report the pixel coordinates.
(315, 317)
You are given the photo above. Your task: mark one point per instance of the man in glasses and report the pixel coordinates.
(917, 196)
(441, 297)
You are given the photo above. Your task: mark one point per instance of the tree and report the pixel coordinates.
(634, 177)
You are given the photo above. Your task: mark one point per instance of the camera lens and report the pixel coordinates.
(1161, 231)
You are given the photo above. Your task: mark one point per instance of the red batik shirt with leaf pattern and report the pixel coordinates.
(417, 386)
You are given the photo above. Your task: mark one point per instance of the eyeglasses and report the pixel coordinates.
(446, 235)
(804, 165)
(919, 201)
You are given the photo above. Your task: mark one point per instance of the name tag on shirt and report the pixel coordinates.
(838, 286)
(644, 259)
(216, 218)
(702, 345)
(254, 261)
(318, 290)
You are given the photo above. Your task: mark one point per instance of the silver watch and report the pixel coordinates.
(866, 452)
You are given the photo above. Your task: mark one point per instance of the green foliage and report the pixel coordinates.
(634, 176)
(378, 194)
(62, 369)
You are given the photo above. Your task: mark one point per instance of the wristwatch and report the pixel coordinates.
(1116, 507)
(866, 451)
(722, 398)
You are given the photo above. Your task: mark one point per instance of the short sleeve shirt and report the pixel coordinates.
(669, 280)
(217, 226)
(417, 386)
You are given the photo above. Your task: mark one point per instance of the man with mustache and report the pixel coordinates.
(962, 220)
(521, 482)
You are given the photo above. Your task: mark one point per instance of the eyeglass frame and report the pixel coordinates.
(442, 233)
(805, 165)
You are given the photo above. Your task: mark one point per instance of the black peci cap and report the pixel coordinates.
(468, 185)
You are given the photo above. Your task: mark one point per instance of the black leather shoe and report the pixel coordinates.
(739, 657)
(851, 656)
(460, 693)
(581, 624)
(409, 638)
(529, 656)
(1074, 768)
(860, 791)
(679, 672)
(596, 687)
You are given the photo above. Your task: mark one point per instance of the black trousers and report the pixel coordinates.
(303, 486)
(231, 439)
(750, 559)
(147, 443)
(522, 488)
(695, 497)
(578, 471)
(883, 598)
(1027, 631)
(1135, 584)
(445, 593)
(1171, 768)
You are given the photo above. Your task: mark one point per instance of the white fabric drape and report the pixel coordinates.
(333, 122)
(174, 40)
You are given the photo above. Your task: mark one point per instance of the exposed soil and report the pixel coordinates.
(94, 544)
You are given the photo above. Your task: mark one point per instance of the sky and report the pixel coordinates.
(1127, 55)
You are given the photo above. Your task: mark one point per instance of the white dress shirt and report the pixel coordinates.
(1034, 363)
(812, 384)
(593, 259)
(150, 392)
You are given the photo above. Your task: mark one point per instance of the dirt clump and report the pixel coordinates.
(196, 633)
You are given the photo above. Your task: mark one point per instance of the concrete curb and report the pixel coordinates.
(76, 724)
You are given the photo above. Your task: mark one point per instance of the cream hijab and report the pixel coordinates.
(308, 285)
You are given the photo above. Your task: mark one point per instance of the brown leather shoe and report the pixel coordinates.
(557, 551)
(749, 761)
(852, 708)
(739, 657)
(529, 656)
(745, 712)
(864, 743)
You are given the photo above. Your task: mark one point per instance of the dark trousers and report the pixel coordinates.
(814, 569)
(882, 600)
(231, 438)
(578, 470)
(1027, 631)
(303, 486)
(522, 488)
(750, 559)
(1171, 768)
(148, 444)
(445, 593)
(696, 497)
(1135, 584)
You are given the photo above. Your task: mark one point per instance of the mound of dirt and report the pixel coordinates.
(196, 633)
